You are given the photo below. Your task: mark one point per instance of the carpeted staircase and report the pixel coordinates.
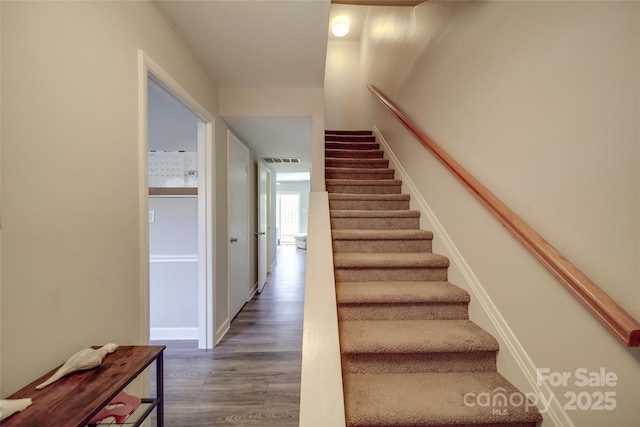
(410, 354)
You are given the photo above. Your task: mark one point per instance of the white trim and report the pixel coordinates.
(174, 258)
(253, 291)
(207, 245)
(262, 241)
(555, 413)
(174, 333)
(143, 191)
(149, 70)
(222, 330)
(173, 196)
(321, 390)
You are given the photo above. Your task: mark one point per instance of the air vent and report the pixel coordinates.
(282, 160)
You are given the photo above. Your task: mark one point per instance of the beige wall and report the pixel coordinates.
(70, 251)
(285, 102)
(343, 88)
(540, 101)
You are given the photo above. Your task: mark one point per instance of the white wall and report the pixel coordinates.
(173, 269)
(71, 204)
(283, 102)
(171, 126)
(343, 88)
(540, 101)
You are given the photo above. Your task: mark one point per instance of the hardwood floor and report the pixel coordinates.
(252, 377)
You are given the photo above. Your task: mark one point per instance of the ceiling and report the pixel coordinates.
(263, 44)
(276, 136)
(254, 43)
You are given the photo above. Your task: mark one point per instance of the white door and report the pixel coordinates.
(262, 225)
(238, 223)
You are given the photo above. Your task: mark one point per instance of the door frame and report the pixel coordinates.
(148, 69)
(231, 136)
(263, 223)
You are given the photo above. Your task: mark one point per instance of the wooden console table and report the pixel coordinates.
(73, 400)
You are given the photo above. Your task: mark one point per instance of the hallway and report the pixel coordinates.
(253, 376)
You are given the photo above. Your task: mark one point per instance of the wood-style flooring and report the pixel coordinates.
(252, 377)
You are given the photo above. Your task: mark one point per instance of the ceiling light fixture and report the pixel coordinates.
(340, 26)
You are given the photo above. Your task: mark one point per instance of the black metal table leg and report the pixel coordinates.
(160, 390)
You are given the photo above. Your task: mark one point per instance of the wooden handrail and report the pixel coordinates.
(621, 323)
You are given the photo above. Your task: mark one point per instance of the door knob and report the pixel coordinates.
(233, 240)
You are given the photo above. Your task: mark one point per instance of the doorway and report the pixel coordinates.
(173, 218)
(288, 217)
(196, 186)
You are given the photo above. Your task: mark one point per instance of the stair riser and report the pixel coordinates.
(350, 138)
(375, 223)
(360, 154)
(348, 132)
(368, 205)
(390, 274)
(390, 311)
(336, 145)
(380, 246)
(363, 189)
(356, 163)
(396, 363)
(355, 174)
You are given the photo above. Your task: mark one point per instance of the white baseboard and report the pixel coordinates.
(555, 413)
(173, 333)
(222, 330)
(253, 291)
(174, 258)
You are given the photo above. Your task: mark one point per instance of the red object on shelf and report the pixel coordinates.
(124, 398)
(123, 405)
(120, 413)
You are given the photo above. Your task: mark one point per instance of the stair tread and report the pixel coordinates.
(390, 260)
(357, 159)
(353, 213)
(414, 336)
(423, 399)
(435, 292)
(351, 145)
(338, 153)
(359, 170)
(377, 182)
(381, 235)
(369, 197)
